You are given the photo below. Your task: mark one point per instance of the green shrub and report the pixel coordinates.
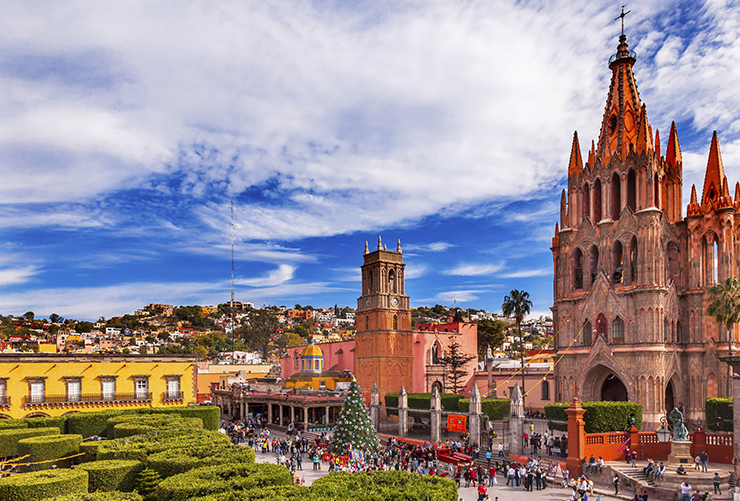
(46, 448)
(719, 414)
(9, 438)
(112, 475)
(176, 461)
(273, 493)
(43, 484)
(141, 446)
(6, 424)
(89, 424)
(90, 449)
(385, 485)
(555, 414)
(494, 408)
(100, 496)
(600, 417)
(221, 479)
(450, 402)
(209, 414)
(137, 424)
(147, 482)
(49, 422)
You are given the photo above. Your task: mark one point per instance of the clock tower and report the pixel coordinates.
(383, 343)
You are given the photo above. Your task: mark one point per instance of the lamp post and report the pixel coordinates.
(664, 434)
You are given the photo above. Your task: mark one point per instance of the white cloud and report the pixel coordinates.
(282, 274)
(462, 296)
(430, 247)
(21, 275)
(542, 272)
(472, 269)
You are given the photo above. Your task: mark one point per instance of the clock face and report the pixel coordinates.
(394, 301)
(367, 302)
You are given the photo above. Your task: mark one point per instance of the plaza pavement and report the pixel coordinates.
(503, 492)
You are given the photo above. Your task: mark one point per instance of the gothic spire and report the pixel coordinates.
(398, 247)
(657, 142)
(693, 209)
(673, 150)
(367, 250)
(575, 167)
(563, 211)
(713, 177)
(380, 243)
(644, 142)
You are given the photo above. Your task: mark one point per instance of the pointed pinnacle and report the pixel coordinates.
(398, 247)
(367, 249)
(575, 166)
(657, 142)
(673, 150)
(380, 244)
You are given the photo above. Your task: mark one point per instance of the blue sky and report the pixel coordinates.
(125, 125)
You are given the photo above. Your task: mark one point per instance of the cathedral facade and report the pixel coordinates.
(631, 273)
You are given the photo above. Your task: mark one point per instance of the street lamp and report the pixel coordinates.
(664, 434)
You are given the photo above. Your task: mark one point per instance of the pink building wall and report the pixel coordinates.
(340, 354)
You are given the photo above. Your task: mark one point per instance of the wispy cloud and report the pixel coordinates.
(472, 269)
(10, 276)
(430, 247)
(541, 272)
(282, 274)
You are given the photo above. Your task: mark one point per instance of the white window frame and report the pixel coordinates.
(108, 388)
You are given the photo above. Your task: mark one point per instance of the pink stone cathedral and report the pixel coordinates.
(631, 272)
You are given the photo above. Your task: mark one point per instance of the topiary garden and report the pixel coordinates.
(174, 456)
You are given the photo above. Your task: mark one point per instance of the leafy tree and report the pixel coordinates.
(724, 306)
(490, 333)
(454, 363)
(163, 336)
(143, 350)
(29, 315)
(84, 327)
(55, 319)
(260, 332)
(458, 316)
(517, 305)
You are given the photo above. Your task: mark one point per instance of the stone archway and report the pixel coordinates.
(605, 384)
(614, 390)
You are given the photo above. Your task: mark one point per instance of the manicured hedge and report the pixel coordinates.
(49, 422)
(450, 402)
(89, 424)
(276, 493)
(90, 449)
(719, 414)
(182, 459)
(141, 446)
(209, 414)
(600, 417)
(112, 475)
(101, 496)
(6, 424)
(45, 448)
(385, 485)
(43, 484)
(221, 479)
(139, 424)
(494, 408)
(9, 438)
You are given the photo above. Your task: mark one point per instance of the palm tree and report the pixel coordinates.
(724, 306)
(517, 305)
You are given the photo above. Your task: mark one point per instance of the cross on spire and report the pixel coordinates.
(622, 16)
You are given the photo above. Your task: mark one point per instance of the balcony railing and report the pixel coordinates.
(4, 401)
(173, 396)
(95, 398)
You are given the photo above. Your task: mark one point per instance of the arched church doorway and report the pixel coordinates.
(670, 399)
(613, 389)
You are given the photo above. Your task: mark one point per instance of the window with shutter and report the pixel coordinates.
(109, 389)
(142, 388)
(37, 391)
(74, 390)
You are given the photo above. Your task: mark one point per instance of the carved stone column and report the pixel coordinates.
(436, 421)
(403, 412)
(375, 406)
(474, 415)
(516, 422)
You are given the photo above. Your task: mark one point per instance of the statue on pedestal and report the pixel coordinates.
(680, 432)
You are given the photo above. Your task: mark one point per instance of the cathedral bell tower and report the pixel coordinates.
(383, 343)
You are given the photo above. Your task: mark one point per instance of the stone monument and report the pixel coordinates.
(680, 443)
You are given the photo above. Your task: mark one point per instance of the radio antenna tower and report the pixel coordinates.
(231, 227)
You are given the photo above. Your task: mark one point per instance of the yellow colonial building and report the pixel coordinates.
(45, 384)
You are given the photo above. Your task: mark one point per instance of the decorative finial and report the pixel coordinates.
(621, 16)
(367, 249)
(385, 247)
(380, 243)
(398, 247)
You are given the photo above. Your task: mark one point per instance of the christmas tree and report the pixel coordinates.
(354, 431)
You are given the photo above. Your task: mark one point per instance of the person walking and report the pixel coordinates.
(488, 458)
(501, 450)
(716, 481)
(704, 460)
(615, 481)
(482, 491)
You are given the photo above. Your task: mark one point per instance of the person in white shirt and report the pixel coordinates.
(685, 491)
(600, 464)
